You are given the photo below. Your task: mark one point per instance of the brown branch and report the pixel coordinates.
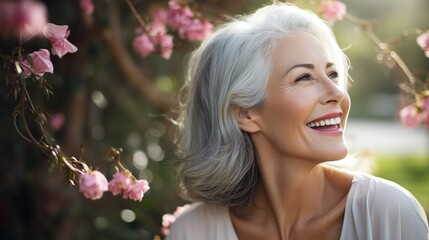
(366, 27)
(135, 13)
(404, 68)
(75, 116)
(111, 37)
(132, 72)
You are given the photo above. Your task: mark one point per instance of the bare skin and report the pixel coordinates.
(313, 209)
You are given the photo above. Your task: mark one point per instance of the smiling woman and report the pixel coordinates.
(266, 107)
(310, 90)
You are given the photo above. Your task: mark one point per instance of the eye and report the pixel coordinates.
(304, 77)
(333, 75)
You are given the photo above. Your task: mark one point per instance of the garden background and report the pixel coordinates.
(103, 106)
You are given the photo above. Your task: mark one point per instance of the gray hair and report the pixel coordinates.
(230, 69)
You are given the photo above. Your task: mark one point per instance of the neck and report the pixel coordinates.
(297, 198)
(293, 193)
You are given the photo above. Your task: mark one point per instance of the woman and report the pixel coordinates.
(266, 107)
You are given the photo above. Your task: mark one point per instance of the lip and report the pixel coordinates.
(331, 132)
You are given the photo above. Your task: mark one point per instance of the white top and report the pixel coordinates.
(376, 209)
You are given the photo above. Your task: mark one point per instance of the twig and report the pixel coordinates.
(366, 27)
(135, 13)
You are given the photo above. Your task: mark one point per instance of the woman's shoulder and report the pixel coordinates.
(373, 192)
(201, 220)
(380, 191)
(197, 214)
(384, 207)
(201, 211)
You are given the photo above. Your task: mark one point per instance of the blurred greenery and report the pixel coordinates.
(103, 109)
(411, 172)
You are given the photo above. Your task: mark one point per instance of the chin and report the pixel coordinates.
(337, 153)
(341, 154)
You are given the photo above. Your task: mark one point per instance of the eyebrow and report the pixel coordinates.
(307, 65)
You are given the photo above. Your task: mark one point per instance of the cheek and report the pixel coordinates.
(283, 113)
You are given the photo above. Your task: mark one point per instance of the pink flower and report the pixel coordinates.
(143, 45)
(159, 15)
(425, 118)
(93, 184)
(168, 219)
(165, 45)
(423, 42)
(157, 28)
(332, 10)
(409, 116)
(190, 28)
(57, 121)
(179, 16)
(58, 37)
(196, 30)
(41, 64)
(426, 103)
(181, 209)
(136, 190)
(22, 17)
(119, 182)
(87, 6)
(425, 112)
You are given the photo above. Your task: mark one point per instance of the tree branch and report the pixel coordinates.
(132, 72)
(111, 37)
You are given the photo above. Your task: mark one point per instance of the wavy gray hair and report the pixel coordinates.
(230, 69)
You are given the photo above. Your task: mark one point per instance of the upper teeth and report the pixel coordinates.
(321, 123)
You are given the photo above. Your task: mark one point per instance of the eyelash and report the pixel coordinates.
(307, 76)
(334, 73)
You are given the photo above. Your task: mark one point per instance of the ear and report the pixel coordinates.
(247, 120)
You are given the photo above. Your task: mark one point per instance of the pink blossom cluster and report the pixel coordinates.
(22, 18)
(154, 39)
(93, 184)
(168, 219)
(178, 18)
(40, 60)
(182, 19)
(423, 42)
(131, 188)
(413, 114)
(332, 10)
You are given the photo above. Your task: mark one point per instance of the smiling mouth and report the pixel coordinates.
(326, 124)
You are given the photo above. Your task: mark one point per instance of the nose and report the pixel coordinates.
(332, 92)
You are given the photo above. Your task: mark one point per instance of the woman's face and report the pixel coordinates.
(305, 111)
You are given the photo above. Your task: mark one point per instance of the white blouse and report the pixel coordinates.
(376, 209)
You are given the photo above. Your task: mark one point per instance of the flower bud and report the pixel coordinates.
(93, 184)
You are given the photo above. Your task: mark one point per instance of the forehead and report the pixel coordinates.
(299, 47)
